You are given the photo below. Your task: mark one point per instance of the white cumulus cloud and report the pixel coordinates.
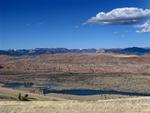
(144, 27)
(127, 15)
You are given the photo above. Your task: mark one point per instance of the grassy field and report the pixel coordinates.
(81, 71)
(12, 95)
(125, 82)
(57, 104)
(7, 94)
(130, 105)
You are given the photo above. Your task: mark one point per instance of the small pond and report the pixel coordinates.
(29, 85)
(79, 92)
(86, 92)
(14, 85)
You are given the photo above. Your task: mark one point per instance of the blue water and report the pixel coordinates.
(78, 92)
(27, 85)
(14, 85)
(86, 92)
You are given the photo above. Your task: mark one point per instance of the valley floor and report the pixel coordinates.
(81, 71)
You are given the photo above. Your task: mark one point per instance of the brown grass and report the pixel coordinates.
(76, 63)
(133, 105)
(10, 94)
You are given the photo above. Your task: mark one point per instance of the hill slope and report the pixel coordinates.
(134, 105)
(10, 94)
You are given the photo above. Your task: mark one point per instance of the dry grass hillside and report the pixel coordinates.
(130, 105)
(12, 95)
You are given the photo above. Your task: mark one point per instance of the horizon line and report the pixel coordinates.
(72, 48)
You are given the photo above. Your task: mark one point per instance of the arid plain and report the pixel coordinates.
(128, 76)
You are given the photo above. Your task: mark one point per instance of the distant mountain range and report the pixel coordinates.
(132, 50)
(40, 51)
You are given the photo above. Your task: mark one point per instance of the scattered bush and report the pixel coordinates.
(23, 98)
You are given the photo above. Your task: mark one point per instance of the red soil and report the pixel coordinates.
(76, 63)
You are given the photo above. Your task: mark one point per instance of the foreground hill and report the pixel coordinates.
(130, 105)
(12, 95)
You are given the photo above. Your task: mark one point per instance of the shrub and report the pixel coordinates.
(23, 98)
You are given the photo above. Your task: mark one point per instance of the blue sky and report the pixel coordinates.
(63, 23)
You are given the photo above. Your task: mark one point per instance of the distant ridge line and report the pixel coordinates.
(40, 51)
